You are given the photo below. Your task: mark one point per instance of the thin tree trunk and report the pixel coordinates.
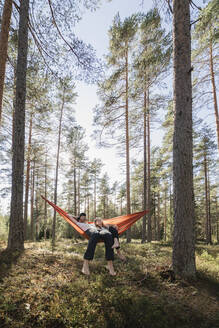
(79, 195)
(158, 215)
(121, 206)
(57, 172)
(155, 220)
(95, 196)
(16, 229)
(45, 195)
(184, 228)
(214, 92)
(4, 34)
(32, 203)
(128, 205)
(149, 232)
(206, 201)
(88, 206)
(27, 182)
(165, 216)
(36, 206)
(145, 170)
(75, 190)
(209, 209)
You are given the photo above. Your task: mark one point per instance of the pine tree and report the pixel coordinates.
(205, 58)
(16, 232)
(184, 238)
(113, 114)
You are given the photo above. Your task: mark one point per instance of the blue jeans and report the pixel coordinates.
(94, 237)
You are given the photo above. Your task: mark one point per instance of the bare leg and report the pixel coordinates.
(85, 268)
(120, 255)
(116, 243)
(111, 268)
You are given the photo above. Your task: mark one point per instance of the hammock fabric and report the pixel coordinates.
(123, 222)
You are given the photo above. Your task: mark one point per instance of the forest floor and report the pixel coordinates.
(41, 288)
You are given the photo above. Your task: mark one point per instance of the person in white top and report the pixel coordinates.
(95, 235)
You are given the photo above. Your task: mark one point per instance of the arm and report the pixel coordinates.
(73, 219)
(111, 225)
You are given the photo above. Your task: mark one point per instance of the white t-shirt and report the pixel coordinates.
(85, 226)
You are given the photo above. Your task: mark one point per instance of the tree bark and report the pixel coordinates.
(128, 205)
(79, 191)
(95, 196)
(32, 203)
(16, 229)
(149, 230)
(184, 233)
(75, 189)
(57, 172)
(27, 182)
(45, 195)
(165, 215)
(214, 92)
(5, 25)
(145, 169)
(158, 215)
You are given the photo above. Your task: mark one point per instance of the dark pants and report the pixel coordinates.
(114, 233)
(96, 236)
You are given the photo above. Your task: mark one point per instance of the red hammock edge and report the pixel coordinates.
(123, 222)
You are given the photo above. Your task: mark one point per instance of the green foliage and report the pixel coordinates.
(44, 289)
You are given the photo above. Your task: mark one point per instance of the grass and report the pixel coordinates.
(41, 288)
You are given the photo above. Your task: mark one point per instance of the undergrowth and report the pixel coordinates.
(41, 288)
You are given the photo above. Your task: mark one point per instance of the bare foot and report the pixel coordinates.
(116, 243)
(110, 267)
(85, 269)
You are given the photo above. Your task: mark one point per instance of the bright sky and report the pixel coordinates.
(93, 29)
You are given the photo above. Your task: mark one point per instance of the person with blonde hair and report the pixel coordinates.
(113, 229)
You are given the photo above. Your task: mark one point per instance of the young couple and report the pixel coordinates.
(99, 231)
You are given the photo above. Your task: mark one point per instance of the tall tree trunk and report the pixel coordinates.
(88, 206)
(149, 232)
(145, 169)
(32, 223)
(57, 172)
(4, 34)
(171, 212)
(75, 189)
(155, 219)
(45, 195)
(121, 206)
(206, 201)
(95, 196)
(214, 92)
(158, 216)
(165, 215)
(36, 206)
(184, 229)
(209, 238)
(27, 182)
(79, 191)
(128, 205)
(16, 229)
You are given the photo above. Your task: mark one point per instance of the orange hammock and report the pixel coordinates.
(123, 222)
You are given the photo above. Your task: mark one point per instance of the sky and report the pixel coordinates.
(93, 29)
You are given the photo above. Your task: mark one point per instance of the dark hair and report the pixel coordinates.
(81, 214)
